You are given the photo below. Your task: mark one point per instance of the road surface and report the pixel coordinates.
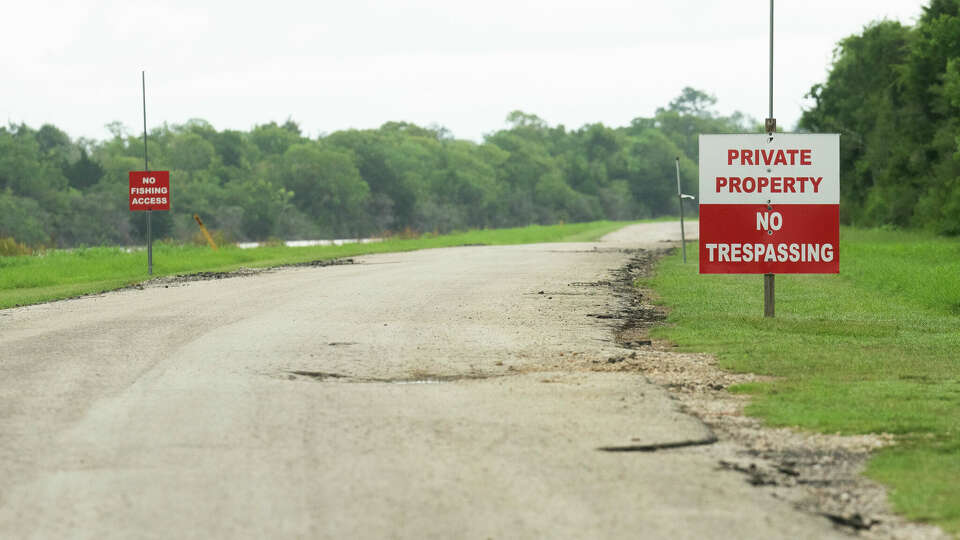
(425, 394)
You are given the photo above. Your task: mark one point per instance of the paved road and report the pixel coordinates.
(425, 394)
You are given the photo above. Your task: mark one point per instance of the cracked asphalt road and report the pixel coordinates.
(424, 394)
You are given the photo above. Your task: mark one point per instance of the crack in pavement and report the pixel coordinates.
(324, 376)
(240, 272)
(660, 446)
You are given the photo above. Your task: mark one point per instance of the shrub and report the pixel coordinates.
(9, 247)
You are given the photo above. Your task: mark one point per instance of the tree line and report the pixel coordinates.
(274, 182)
(893, 93)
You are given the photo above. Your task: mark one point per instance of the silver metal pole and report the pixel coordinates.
(769, 280)
(683, 236)
(149, 245)
(771, 60)
(143, 79)
(146, 167)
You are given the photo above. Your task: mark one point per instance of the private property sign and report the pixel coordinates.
(149, 190)
(770, 205)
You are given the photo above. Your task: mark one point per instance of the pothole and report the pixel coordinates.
(315, 375)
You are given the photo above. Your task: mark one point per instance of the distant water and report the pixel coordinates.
(305, 243)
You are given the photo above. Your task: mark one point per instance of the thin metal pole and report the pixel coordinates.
(149, 245)
(143, 75)
(771, 60)
(769, 283)
(146, 167)
(683, 237)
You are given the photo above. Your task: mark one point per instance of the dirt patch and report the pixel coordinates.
(817, 473)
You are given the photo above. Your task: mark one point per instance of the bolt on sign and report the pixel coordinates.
(770, 204)
(149, 190)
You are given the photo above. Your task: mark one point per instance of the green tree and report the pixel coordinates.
(273, 139)
(23, 219)
(893, 92)
(190, 152)
(326, 186)
(84, 172)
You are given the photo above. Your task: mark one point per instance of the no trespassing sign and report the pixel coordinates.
(770, 204)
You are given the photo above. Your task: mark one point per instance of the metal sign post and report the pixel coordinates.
(771, 127)
(770, 202)
(146, 167)
(149, 190)
(681, 197)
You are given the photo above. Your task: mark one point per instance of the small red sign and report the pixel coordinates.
(149, 190)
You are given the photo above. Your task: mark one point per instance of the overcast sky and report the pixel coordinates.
(332, 65)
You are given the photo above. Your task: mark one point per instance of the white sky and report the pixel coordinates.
(336, 65)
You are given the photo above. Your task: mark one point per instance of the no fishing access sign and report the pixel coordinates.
(149, 190)
(770, 204)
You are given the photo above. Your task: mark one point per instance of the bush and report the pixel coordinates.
(9, 247)
(219, 238)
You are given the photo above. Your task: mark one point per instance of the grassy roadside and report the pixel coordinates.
(875, 349)
(63, 274)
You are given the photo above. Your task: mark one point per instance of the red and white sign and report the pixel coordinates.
(770, 206)
(149, 190)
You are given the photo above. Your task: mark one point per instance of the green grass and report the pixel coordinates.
(874, 349)
(63, 274)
